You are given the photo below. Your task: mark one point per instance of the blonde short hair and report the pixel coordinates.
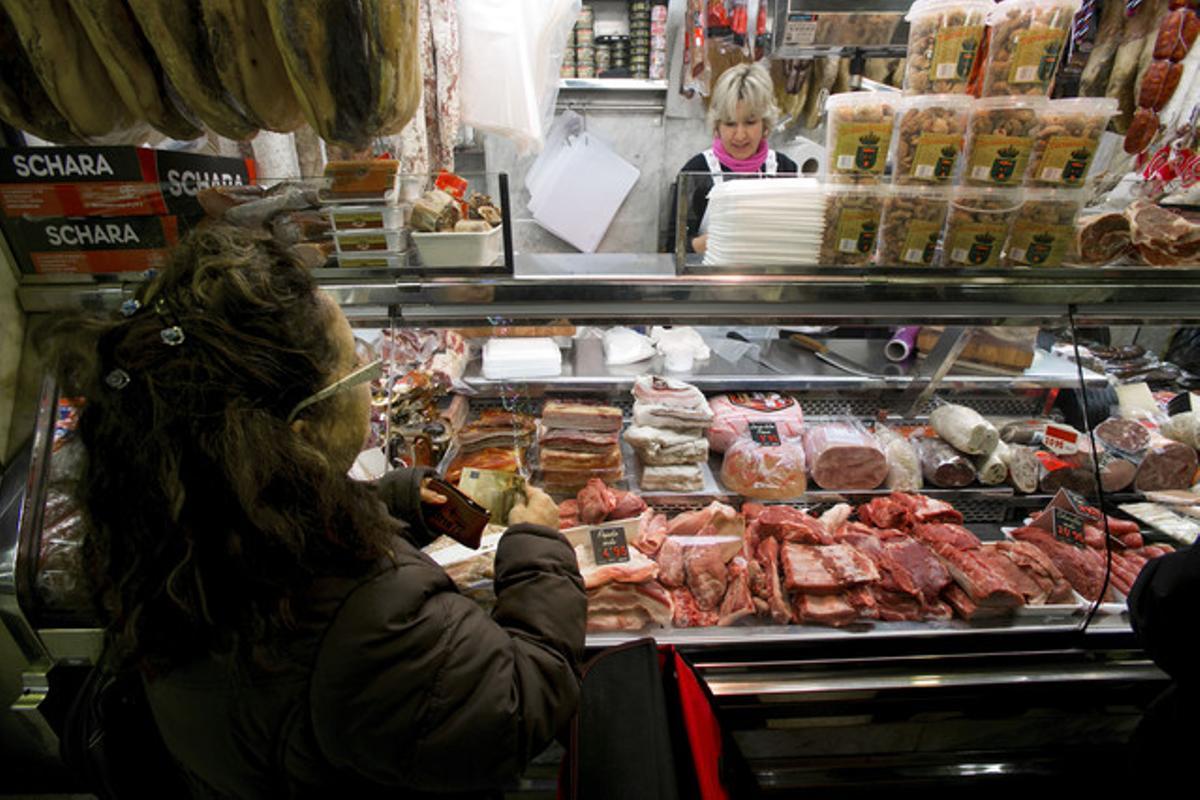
(748, 83)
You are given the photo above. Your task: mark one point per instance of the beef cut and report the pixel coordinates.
(1082, 567)
(902, 511)
(1038, 566)
(838, 609)
(844, 456)
(596, 502)
(790, 525)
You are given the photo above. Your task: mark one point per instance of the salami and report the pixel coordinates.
(965, 429)
(942, 465)
(1167, 465)
(904, 468)
(1023, 468)
(842, 455)
(1123, 434)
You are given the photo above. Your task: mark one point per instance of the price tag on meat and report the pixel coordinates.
(764, 434)
(609, 545)
(1068, 527)
(1061, 440)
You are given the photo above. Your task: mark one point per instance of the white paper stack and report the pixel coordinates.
(763, 222)
(521, 358)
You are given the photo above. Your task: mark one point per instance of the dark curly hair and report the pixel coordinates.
(208, 515)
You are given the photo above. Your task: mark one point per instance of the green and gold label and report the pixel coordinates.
(358, 219)
(1039, 245)
(1037, 56)
(999, 159)
(976, 244)
(862, 147)
(920, 242)
(936, 155)
(954, 53)
(1066, 160)
(857, 229)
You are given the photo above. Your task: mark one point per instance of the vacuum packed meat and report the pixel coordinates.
(843, 455)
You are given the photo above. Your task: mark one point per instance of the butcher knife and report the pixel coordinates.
(822, 351)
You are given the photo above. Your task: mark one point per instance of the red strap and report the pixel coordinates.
(703, 730)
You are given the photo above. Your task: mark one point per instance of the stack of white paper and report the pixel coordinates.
(764, 222)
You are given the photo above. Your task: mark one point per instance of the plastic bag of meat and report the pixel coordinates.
(765, 465)
(1123, 435)
(942, 465)
(1183, 428)
(844, 455)
(965, 429)
(1166, 465)
(904, 467)
(733, 412)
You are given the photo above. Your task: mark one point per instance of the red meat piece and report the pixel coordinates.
(596, 502)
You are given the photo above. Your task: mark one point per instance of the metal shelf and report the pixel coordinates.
(611, 85)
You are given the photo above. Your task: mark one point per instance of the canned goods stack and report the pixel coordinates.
(585, 50)
(639, 38)
(658, 42)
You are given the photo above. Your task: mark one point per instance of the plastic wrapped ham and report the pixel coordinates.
(943, 466)
(844, 455)
(733, 412)
(767, 467)
(1166, 465)
(904, 468)
(964, 429)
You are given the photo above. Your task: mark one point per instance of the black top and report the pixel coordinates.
(701, 185)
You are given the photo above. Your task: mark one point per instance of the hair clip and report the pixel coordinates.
(117, 379)
(172, 336)
(130, 307)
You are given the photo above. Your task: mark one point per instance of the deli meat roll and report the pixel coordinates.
(943, 466)
(964, 429)
(842, 455)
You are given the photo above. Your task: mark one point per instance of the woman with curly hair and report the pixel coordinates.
(292, 637)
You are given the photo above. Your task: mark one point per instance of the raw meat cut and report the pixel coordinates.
(558, 414)
(836, 517)
(652, 532)
(1031, 590)
(723, 519)
(649, 600)
(596, 502)
(844, 456)
(1082, 567)
(955, 536)
(902, 511)
(942, 465)
(1163, 238)
(904, 468)
(836, 609)
(1038, 566)
(789, 525)
(628, 505)
(966, 607)
(706, 575)
(964, 429)
(825, 568)
(637, 570)
(771, 590)
(978, 577)
(658, 391)
(928, 574)
(765, 472)
(1167, 465)
(733, 412)
(559, 460)
(1103, 238)
(1123, 434)
(688, 614)
(670, 562)
(927, 510)
(738, 602)
(578, 441)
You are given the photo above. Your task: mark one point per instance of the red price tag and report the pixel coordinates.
(1063, 441)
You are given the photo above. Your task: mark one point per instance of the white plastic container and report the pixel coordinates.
(1028, 37)
(944, 39)
(859, 132)
(1068, 139)
(365, 217)
(453, 249)
(510, 359)
(931, 130)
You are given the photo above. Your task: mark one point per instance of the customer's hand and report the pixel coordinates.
(429, 497)
(538, 509)
(700, 243)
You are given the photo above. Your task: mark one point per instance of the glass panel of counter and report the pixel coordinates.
(785, 482)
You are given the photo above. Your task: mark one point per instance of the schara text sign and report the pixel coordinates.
(112, 181)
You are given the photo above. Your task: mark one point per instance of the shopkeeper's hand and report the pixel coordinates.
(538, 509)
(429, 496)
(700, 243)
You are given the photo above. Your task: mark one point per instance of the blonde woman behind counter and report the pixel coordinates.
(740, 115)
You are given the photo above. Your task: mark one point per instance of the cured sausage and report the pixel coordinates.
(1141, 131)
(943, 466)
(965, 429)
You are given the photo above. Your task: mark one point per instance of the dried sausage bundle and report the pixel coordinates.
(1176, 35)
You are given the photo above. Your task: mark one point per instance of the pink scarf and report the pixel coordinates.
(752, 164)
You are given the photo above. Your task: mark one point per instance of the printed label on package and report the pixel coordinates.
(856, 231)
(920, 242)
(955, 51)
(800, 30)
(1000, 159)
(862, 147)
(1066, 160)
(764, 434)
(76, 164)
(976, 244)
(765, 402)
(935, 157)
(1037, 56)
(1061, 440)
(184, 175)
(609, 545)
(1039, 245)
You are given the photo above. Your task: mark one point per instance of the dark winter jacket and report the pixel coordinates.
(397, 685)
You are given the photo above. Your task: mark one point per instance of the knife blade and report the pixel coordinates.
(760, 361)
(822, 351)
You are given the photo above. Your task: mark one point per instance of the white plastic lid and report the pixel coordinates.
(1089, 106)
(920, 190)
(922, 7)
(888, 99)
(1053, 195)
(962, 102)
(1000, 10)
(1016, 102)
